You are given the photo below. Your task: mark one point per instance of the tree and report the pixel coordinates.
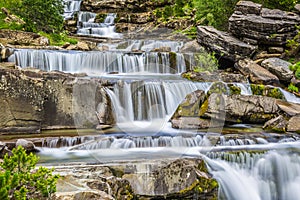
(19, 179)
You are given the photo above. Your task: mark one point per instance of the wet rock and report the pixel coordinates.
(266, 26)
(293, 124)
(278, 124)
(27, 145)
(256, 73)
(223, 43)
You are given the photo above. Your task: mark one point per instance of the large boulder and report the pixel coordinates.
(223, 43)
(33, 99)
(255, 72)
(261, 25)
(293, 124)
(278, 67)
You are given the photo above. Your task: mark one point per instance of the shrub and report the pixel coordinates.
(206, 62)
(293, 88)
(20, 180)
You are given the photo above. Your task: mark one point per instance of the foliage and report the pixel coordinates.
(39, 15)
(20, 180)
(58, 39)
(296, 69)
(293, 88)
(287, 5)
(206, 62)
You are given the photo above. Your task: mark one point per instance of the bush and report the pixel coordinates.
(206, 62)
(293, 88)
(20, 180)
(39, 15)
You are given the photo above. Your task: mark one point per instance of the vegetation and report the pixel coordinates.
(38, 15)
(58, 39)
(293, 88)
(20, 180)
(206, 62)
(296, 69)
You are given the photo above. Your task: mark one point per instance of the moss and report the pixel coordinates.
(266, 91)
(203, 108)
(234, 89)
(187, 75)
(100, 17)
(257, 89)
(219, 88)
(173, 61)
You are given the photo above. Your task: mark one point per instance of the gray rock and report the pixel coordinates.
(223, 43)
(277, 124)
(27, 145)
(241, 108)
(256, 73)
(297, 7)
(248, 7)
(191, 47)
(290, 109)
(278, 67)
(190, 123)
(293, 124)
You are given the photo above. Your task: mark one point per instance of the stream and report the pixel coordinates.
(146, 88)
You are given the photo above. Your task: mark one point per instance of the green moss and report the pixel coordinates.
(187, 75)
(234, 89)
(173, 61)
(219, 88)
(266, 91)
(203, 108)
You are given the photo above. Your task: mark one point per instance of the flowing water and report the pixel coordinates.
(145, 90)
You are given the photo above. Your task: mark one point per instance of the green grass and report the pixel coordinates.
(58, 39)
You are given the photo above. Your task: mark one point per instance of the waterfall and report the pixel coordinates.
(70, 7)
(149, 100)
(98, 61)
(88, 26)
(274, 175)
(290, 97)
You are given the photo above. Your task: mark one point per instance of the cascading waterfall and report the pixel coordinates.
(88, 26)
(101, 62)
(148, 100)
(71, 6)
(273, 175)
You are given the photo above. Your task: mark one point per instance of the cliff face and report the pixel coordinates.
(33, 99)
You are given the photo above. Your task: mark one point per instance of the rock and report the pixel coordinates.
(190, 123)
(296, 82)
(223, 43)
(265, 55)
(278, 67)
(256, 73)
(266, 26)
(266, 90)
(215, 76)
(7, 65)
(191, 47)
(82, 46)
(290, 109)
(293, 124)
(22, 38)
(162, 49)
(32, 99)
(276, 50)
(5, 53)
(248, 7)
(10, 18)
(241, 108)
(277, 124)
(297, 7)
(27, 145)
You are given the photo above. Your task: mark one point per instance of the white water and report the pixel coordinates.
(71, 6)
(98, 62)
(274, 175)
(88, 26)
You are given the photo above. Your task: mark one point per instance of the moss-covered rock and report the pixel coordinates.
(266, 90)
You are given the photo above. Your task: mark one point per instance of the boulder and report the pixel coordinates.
(266, 26)
(240, 108)
(290, 109)
(278, 67)
(223, 43)
(256, 73)
(191, 47)
(27, 145)
(277, 124)
(293, 124)
(214, 77)
(190, 123)
(297, 8)
(32, 99)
